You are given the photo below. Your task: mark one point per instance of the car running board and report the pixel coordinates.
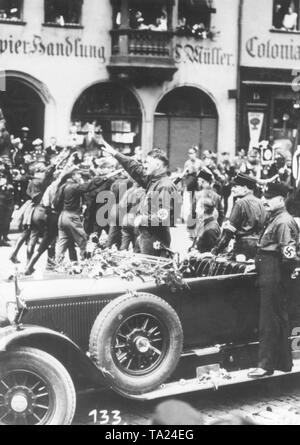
(208, 377)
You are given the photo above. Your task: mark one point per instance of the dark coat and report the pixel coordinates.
(211, 234)
(161, 204)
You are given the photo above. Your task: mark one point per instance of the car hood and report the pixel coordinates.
(59, 287)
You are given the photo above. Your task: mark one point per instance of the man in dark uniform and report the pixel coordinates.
(6, 206)
(94, 202)
(275, 262)
(70, 225)
(46, 219)
(210, 234)
(26, 141)
(35, 190)
(119, 187)
(128, 206)
(5, 142)
(159, 207)
(246, 221)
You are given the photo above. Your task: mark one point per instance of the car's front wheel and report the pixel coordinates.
(35, 389)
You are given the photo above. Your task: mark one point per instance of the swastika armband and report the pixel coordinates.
(289, 252)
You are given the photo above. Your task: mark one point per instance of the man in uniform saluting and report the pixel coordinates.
(159, 208)
(275, 262)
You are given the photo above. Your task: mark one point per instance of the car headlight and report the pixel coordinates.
(12, 311)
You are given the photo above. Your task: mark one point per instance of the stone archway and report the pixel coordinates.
(23, 103)
(184, 117)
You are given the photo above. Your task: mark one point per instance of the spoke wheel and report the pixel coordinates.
(140, 344)
(137, 342)
(25, 399)
(35, 389)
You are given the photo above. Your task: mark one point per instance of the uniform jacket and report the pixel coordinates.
(6, 199)
(130, 204)
(160, 205)
(211, 234)
(119, 188)
(248, 216)
(37, 187)
(73, 193)
(281, 236)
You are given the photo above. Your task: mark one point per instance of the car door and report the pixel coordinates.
(220, 310)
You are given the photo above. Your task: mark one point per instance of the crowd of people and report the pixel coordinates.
(32, 175)
(246, 208)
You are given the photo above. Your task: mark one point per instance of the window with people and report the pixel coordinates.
(146, 15)
(63, 12)
(286, 15)
(11, 10)
(195, 18)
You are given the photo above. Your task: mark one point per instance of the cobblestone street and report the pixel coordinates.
(274, 402)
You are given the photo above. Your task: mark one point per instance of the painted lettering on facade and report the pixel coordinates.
(268, 49)
(69, 47)
(202, 55)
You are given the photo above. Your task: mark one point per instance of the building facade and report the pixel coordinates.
(150, 73)
(269, 72)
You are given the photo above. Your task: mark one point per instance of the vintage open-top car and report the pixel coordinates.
(145, 338)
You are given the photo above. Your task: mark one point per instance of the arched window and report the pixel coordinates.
(22, 106)
(187, 102)
(63, 12)
(112, 110)
(11, 10)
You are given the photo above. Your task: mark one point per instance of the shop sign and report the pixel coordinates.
(37, 46)
(255, 121)
(202, 55)
(268, 49)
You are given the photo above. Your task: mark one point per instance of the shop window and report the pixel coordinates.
(113, 111)
(145, 15)
(284, 119)
(286, 15)
(11, 10)
(63, 12)
(195, 18)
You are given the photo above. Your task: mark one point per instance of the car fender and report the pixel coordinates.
(77, 363)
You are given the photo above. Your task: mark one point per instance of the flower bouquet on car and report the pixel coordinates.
(127, 265)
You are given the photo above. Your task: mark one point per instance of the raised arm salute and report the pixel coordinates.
(159, 208)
